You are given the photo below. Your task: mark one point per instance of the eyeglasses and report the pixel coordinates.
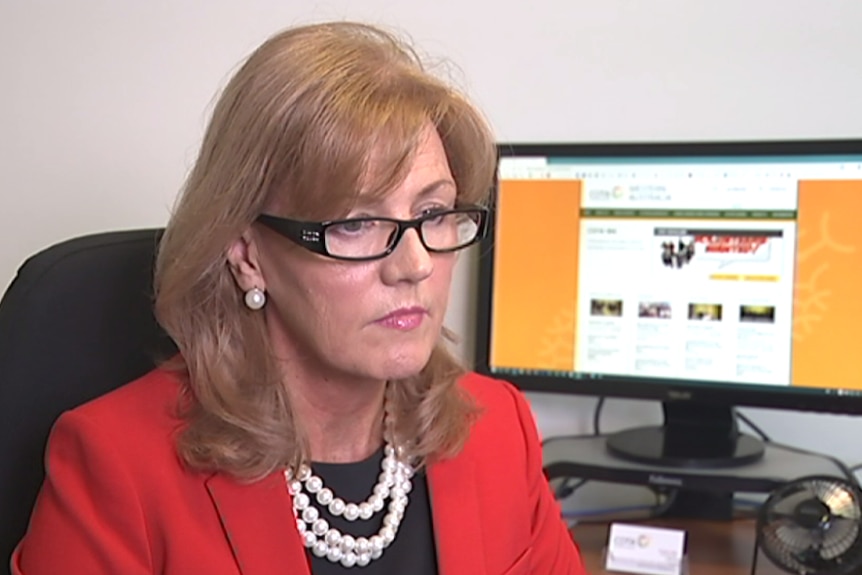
(363, 239)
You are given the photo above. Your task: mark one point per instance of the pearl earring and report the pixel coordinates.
(255, 299)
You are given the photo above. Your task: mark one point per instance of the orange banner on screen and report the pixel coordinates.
(827, 330)
(535, 283)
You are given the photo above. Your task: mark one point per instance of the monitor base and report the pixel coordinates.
(661, 446)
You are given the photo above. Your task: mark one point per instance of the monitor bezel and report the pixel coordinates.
(665, 390)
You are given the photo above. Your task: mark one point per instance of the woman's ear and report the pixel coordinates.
(243, 258)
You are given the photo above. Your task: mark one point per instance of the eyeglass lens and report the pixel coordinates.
(371, 237)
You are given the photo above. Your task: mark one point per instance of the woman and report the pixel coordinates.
(314, 421)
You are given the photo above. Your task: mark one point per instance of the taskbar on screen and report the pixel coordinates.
(559, 375)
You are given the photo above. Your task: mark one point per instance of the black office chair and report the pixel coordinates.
(76, 322)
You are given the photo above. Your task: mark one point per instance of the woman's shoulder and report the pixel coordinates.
(502, 406)
(137, 413)
(490, 392)
(146, 396)
(504, 435)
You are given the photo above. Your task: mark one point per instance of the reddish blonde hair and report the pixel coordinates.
(295, 127)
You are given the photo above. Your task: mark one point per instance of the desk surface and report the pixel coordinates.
(714, 547)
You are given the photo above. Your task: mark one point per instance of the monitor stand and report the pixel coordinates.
(694, 436)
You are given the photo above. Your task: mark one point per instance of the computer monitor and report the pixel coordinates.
(702, 275)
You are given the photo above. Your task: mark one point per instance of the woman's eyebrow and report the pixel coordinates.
(434, 187)
(366, 203)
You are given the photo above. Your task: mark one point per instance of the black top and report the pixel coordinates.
(413, 550)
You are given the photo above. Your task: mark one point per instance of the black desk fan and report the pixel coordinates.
(812, 526)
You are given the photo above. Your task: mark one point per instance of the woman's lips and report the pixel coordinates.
(404, 319)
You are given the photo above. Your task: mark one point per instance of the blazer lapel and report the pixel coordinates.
(258, 521)
(455, 510)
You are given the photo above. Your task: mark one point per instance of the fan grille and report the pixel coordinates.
(812, 526)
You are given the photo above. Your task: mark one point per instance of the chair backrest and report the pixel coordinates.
(76, 322)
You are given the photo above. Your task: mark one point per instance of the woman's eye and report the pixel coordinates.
(434, 210)
(438, 211)
(351, 227)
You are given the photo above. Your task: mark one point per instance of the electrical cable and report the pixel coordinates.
(583, 517)
(751, 425)
(565, 489)
(847, 471)
(600, 515)
(571, 484)
(597, 413)
(664, 498)
(593, 514)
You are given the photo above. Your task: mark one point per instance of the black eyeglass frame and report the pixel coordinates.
(310, 235)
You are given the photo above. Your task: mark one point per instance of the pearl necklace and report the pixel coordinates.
(325, 541)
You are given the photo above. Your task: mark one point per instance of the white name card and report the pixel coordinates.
(645, 550)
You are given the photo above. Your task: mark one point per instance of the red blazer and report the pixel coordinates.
(118, 501)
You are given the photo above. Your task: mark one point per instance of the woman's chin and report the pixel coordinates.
(404, 366)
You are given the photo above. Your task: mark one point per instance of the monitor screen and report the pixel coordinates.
(722, 273)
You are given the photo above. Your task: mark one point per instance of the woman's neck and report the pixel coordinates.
(341, 422)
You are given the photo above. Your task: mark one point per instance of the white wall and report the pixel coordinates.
(102, 104)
